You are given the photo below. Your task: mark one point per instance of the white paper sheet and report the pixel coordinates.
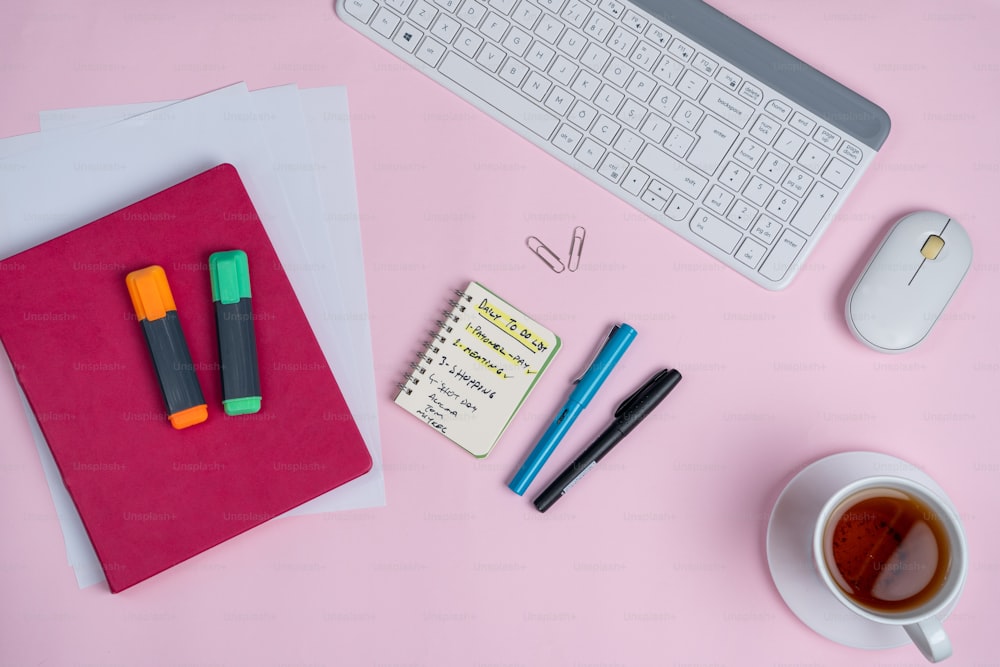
(313, 223)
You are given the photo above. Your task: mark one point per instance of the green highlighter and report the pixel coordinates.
(230, 272)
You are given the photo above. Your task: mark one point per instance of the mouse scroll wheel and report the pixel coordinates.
(932, 246)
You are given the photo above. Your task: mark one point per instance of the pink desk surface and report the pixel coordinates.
(658, 557)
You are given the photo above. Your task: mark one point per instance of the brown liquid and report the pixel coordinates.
(890, 551)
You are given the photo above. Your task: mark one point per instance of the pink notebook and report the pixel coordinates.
(151, 496)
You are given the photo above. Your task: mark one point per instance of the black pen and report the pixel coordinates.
(633, 410)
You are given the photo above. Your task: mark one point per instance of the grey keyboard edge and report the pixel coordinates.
(798, 81)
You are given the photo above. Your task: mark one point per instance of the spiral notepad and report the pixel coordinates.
(477, 369)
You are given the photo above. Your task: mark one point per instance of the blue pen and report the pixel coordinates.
(618, 340)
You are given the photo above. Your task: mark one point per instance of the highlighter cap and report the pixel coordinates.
(230, 273)
(150, 293)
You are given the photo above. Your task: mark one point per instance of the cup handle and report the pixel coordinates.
(930, 638)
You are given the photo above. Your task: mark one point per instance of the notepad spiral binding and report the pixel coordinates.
(433, 344)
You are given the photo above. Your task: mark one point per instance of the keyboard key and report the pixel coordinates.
(585, 84)
(401, 6)
(715, 138)
(575, 13)
(495, 27)
(783, 256)
(599, 26)
(644, 55)
(361, 9)
(635, 21)
(490, 57)
(781, 205)
(526, 15)
(813, 158)
(609, 99)
(705, 65)
(445, 28)
(613, 167)
(764, 130)
(678, 208)
(655, 128)
(789, 143)
(850, 152)
(407, 38)
(734, 176)
(751, 93)
(803, 123)
(563, 70)
(678, 142)
(422, 14)
(641, 87)
(468, 42)
(672, 172)
(715, 231)
(536, 86)
(385, 22)
(605, 130)
(430, 51)
(688, 115)
(567, 138)
(814, 208)
(797, 182)
(582, 115)
(549, 29)
(680, 50)
(448, 5)
(634, 181)
(742, 214)
(539, 55)
(729, 79)
(691, 84)
(766, 229)
(595, 57)
(503, 6)
(757, 191)
(778, 109)
(664, 100)
(660, 189)
(838, 173)
(618, 72)
(631, 113)
(749, 153)
(590, 153)
(559, 101)
(572, 43)
(718, 200)
(552, 5)
(657, 35)
(621, 41)
(727, 106)
(497, 94)
(517, 42)
(653, 200)
(773, 168)
(613, 7)
(750, 253)
(668, 71)
(827, 138)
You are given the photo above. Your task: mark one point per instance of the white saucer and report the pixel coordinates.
(789, 547)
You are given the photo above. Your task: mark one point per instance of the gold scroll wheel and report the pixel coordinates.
(932, 246)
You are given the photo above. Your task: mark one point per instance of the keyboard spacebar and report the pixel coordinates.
(497, 95)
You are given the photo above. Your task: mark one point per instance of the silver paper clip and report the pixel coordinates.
(545, 254)
(576, 248)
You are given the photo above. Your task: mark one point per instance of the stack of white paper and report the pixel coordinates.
(292, 149)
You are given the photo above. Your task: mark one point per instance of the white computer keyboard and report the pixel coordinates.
(654, 111)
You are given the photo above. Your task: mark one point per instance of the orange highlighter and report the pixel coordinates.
(157, 313)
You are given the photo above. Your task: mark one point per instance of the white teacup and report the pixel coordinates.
(902, 556)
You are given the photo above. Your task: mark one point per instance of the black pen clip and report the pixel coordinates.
(640, 394)
(597, 353)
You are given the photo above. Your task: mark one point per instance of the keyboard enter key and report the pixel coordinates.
(715, 138)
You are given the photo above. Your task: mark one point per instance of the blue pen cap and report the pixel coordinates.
(600, 368)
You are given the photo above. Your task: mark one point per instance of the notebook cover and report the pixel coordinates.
(151, 496)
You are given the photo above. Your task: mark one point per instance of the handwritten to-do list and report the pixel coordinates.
(477, 371)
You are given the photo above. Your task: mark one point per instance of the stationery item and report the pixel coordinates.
(633, 410)
(477, 370)
(157, 313)
(618, 340)
(576, 248)
(150, 498)
(230, 274)
(545, 253)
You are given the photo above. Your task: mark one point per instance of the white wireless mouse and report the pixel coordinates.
(908, 282)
